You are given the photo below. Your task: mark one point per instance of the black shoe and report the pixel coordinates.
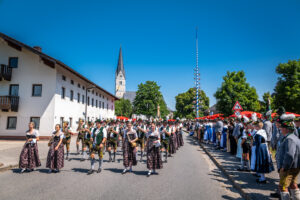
(90, 171)
(261, 182)
(240, 169)
(99, 170)
(124, 171)
(275, 195)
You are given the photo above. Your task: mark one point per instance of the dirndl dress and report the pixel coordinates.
(154, 160)
(172, 145)
(129, 152)
(29, 157)
(55, 159)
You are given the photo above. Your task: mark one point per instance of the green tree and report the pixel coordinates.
(185, 104)
(148, 97)
(235, 88)
(123, 107)
(287, 90)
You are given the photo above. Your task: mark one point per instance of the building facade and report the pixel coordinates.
(36, 87)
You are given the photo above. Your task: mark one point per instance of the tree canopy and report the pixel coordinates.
(147, 98)
(123, 107)
(287, 90)
(235, 88)
(185, 104)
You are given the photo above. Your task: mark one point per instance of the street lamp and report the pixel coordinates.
(86, 100)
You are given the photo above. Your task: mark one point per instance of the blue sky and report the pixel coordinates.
(158, 39)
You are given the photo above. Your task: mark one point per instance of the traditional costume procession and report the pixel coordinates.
(150, 138)
(250, 137)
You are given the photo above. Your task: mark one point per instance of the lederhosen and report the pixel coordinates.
(80, 136)
(154, 160)
(67, 138)
(112, 140)
(55, 159)
(165, 139)
(97, 140)
(141, 136)
(29, 157)
(87, 140)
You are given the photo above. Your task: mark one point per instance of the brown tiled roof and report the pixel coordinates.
(48, 60)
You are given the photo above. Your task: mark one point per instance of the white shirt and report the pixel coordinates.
(153, 133)
(34, 132)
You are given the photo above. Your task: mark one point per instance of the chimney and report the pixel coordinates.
(38, 48)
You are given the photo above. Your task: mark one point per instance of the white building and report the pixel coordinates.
(36, 87)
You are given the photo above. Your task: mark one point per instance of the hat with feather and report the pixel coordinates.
(287, 121)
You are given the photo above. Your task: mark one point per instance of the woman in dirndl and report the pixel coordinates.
(179, 136)
(154, 160)
(55, 158)
(29, 157)
(129, 148)
(177, 132)
(173, 141)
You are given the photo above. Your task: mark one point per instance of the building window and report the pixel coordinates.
(11, 123)
(36, 90)
(92, 102)
(82, 99)
(92, 91)
(13, 90)
(61, 121)
(88, 101)
(83, 87)
(96, 103)
(96, 94)
(13, 62)
(120, 82)
(78, 85)
(71, 95)
(72, 82)
(70, 122)
(63, 78)
(63, 92)
(78, 97)
(36, 121)
(103, 105)
(107, 106)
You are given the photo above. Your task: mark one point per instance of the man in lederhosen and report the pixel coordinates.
(67, 137)
(87, 140)
(98, 139)
(141, 130)
(165, 132)
(112, 139)
(80, 137)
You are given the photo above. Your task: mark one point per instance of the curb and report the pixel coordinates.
(224, 171)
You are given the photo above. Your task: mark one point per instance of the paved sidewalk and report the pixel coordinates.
(244, 181)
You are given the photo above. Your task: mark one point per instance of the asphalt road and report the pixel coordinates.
(188, 175)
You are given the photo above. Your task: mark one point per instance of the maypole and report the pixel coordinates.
(197, 78)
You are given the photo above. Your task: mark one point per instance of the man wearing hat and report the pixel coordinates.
(141, 130)
(112, 138)
(289, 159)
(98, 139)
(80, 137)
(87, 140)
(67, 137)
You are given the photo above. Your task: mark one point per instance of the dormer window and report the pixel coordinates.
(121, 76)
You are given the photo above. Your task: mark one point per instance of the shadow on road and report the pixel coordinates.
(81, 170)
(114, 170)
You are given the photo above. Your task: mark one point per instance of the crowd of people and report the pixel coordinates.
(252, 139)
(156, 140)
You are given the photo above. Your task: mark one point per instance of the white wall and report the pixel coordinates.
(31, 70)
(66, 108)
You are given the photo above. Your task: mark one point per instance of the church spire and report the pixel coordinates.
(120, 63)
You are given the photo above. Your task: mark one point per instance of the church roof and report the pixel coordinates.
(120, 67)
(130, 95)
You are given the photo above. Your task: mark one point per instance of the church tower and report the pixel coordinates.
(120, 77)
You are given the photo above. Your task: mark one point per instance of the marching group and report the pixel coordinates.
(251, 139)
(159, 139)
